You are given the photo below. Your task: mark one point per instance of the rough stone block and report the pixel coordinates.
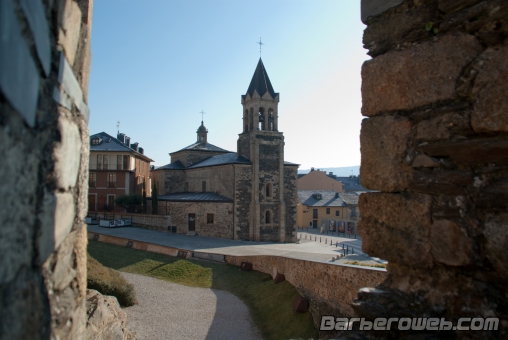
(449, 6)
(372, 8)
(64, 216)
(422, 75)
(399, 27)
(424, 161)
(105, 318)
(70, 25)
(394, 245)
(64, 269)
(19, 78)
(437, 183)
(490, 93)
(279, 278)
(300, 305)
(444, 127)
(396, 227)
(473, 151)
(246, 266)
(410, 214)
(67, 154)
(69, 83)
(36, 17)
(449, 244)
(383, 143)
(496, 242)
(46, 239)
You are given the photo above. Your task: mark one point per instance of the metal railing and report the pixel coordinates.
(132, 209)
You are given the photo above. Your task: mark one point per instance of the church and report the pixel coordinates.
(249, 194)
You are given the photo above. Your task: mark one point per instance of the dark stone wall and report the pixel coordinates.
(243, 197)
(435, 145)
(269, 158)
(243, 145)
(291, 199)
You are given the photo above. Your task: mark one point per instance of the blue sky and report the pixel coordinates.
(157, 63)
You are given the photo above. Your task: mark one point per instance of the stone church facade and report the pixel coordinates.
(250, 194)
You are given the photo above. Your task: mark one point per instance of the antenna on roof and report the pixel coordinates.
(260, 44)
(118, 126)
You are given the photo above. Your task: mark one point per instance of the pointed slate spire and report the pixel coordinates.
(260, 82)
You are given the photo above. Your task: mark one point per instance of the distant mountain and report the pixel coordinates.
(342, 171)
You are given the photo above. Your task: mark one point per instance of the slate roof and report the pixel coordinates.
(111, 144)
(260, 82)
(229, 158)
(351, 198)
(202, 147)
(172, 166)
(328, 199)
(350, 183)
(291, 164)
(195, 197)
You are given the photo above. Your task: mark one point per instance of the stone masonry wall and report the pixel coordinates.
(218, 179)
(44, 69)
(221, 227)
(435, 145)
(147, 221)
(291, 199)
(329, 288)
(243, 194)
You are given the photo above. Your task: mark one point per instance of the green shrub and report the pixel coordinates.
(110, 282)
(366, 264)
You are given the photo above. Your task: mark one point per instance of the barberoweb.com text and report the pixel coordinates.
(329, 323)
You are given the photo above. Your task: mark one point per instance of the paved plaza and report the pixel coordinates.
(305, 249)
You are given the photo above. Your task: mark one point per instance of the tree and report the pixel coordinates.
(144, 196)
(129, 202)
(155, 199)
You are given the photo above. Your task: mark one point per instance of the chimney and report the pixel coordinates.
(336, 195)
(121, 137)
(135, 146)
(141, 151)
(127, 140)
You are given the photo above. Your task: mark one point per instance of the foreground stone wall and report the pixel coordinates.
(329, 288)
(436, 146)
(44, 70)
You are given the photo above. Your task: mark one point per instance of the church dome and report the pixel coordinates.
(202, 129)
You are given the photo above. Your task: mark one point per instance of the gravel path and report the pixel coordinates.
(170, 311)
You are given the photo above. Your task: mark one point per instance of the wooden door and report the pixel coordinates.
(192, 222)
(91, 202)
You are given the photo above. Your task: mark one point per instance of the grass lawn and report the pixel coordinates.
(270, 304)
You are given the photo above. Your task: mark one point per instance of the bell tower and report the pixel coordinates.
(202, 133)
(263, 144)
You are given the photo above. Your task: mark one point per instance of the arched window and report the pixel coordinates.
(268, 190)
(261, 119)
(268, 218)
(270, 121)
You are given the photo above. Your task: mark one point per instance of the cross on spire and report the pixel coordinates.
(202, 115)
(260, 44)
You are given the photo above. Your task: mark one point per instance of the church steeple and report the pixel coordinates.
(261, 82)
(260, 103)
(202, 134)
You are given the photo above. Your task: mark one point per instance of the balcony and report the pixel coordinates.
(110, 166)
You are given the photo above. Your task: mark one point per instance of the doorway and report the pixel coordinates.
(192, 222)
(91, 203)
